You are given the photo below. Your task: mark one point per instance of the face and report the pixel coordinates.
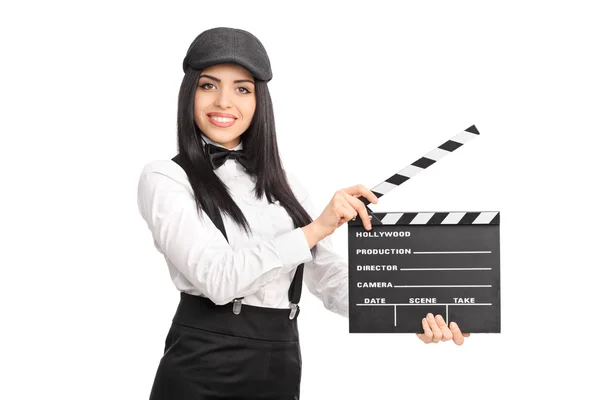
(224, 103)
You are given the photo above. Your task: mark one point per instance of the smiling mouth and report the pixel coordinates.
(221, 122)
(221, 119)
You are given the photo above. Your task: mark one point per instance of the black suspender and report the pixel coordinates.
(295, 289)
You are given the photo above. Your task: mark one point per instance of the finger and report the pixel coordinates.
(446, 332)
(437, 332)
(341, 207)
(427, 335)
(360, 207)
(348, 212)
(346, 216)
(362, 190)
(457, 335)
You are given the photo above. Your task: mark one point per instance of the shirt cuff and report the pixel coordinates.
(292, 247)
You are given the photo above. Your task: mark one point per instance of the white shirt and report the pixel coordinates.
(258, 267)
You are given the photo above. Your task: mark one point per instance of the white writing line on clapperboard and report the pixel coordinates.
(389, 285)
(446, 269)
(452, 252)
(437, 304)
(411, 286)
(410, 251)
(395, 268)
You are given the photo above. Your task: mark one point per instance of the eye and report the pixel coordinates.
(244, 90)
(203, 86)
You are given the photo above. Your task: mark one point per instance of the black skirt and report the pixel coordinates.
(212, 353)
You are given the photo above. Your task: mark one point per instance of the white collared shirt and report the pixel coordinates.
(258, 267)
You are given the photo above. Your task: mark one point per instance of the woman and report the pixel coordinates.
(237, 234)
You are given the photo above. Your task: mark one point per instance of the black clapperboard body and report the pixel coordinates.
(413, 263)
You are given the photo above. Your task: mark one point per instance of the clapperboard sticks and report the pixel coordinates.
(413, 169)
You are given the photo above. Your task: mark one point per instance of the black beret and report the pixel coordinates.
(229, 45)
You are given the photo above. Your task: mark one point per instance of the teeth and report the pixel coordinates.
(221, 119)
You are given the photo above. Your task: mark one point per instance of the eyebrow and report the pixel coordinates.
(218, 80)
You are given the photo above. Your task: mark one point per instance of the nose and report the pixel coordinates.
(223, 99)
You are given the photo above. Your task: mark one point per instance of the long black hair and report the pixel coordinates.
(260, 143)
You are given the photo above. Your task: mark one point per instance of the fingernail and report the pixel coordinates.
(453, 324)
(430, 315)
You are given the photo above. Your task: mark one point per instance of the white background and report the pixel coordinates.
(89, 95)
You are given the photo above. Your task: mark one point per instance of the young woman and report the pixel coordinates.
(238, 235)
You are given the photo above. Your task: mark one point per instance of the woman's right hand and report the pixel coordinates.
(343, 207)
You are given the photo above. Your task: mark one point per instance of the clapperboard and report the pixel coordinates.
(413, 263)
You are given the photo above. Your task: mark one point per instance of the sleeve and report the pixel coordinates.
(326, 276)
(199, 250)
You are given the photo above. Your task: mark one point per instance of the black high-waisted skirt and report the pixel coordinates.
(212, 353)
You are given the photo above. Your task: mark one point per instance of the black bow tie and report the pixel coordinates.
(218, 155)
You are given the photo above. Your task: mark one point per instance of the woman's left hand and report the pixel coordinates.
(436, 330)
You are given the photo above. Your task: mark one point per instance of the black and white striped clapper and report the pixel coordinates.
(414, 263)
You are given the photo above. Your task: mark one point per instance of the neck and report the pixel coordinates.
(235, 144)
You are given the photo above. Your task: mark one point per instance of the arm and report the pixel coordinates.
(327, 275)
(199, 250)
